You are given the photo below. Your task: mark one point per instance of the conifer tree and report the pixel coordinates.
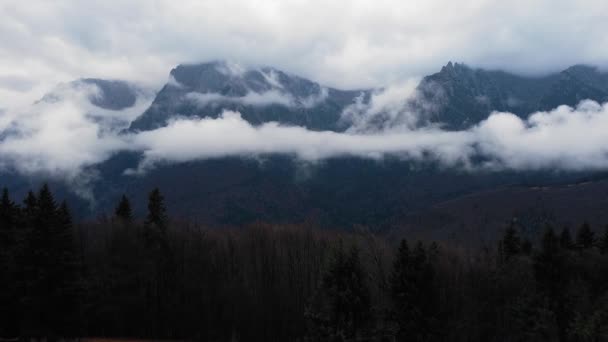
(549, 265)
(552, 278)
(550, 243)
(7, 213)
(67, 272)
(585, 237)
(345, 290)
(47, 210)
(403, 290)
(411, 284)
(123, 211)
(64, 217)
(50, 266)
(511, 243)
(157, 212)
(157, 245)
(425, 300)
(8, 269)
(8, 221)
(526, 247)
(603, 242)
(565, 239)
(40, 263)
(30, 206)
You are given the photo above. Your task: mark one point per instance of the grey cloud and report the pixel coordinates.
(348, 44)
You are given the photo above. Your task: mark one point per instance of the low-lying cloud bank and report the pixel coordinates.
(565, 138)
(230, 135)
(570, 139)
(66, 135)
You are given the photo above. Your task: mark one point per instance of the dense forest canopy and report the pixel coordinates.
(158, 278)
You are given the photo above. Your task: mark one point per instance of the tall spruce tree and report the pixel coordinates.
(344, 288)
(123, 211)
(50, 266)
(161, 256)
(511, 243)
(30, 207)
(565, 239)
(8, 211)
(552, 278)
(8, 221)
(157, 212)
(585, 237)
(603, 242)
(9, 310)
(68, 275)
(412, 292)
(548, 263)
(40, 264)
(403, 291)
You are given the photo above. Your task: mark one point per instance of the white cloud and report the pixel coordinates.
(63, 133)
(251, 98)
(272, 78)
(258, 99)
(315, 99)
(230, 135)
(231, 68)
(566, 138)
(172, 82)
(387, 108)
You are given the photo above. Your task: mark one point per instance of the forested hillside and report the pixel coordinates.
(158, 278)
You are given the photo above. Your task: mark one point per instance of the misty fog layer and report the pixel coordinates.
(64, 134)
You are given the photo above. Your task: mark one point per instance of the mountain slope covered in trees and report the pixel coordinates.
(159, 278)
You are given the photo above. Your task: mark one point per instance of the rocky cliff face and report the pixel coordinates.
(456, 97)
(259, 94)
(464, 96)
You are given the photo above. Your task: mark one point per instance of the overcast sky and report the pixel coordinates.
(340, 43)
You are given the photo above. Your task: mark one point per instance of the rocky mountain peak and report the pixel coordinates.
(260, 94)
(232, 79)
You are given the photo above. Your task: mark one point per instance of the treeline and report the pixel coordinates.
(153, 278)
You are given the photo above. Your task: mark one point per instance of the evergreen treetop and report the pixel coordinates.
(157, 212)
(123, 210)
(585, 237)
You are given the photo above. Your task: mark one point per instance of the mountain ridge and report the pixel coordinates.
(338, 192)
(206, 89)
(461, 96)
